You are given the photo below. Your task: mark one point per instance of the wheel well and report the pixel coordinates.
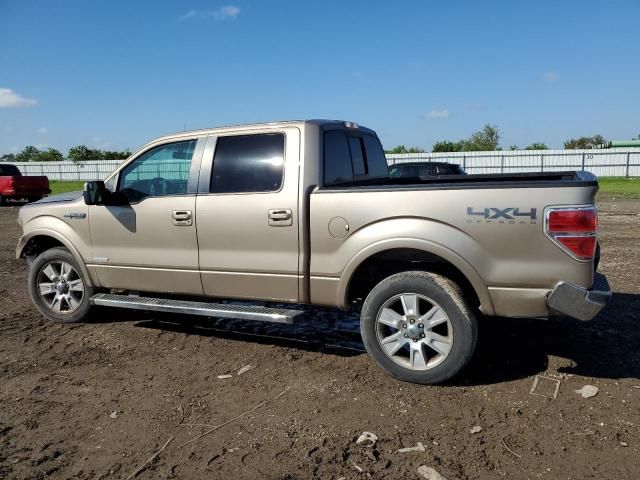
(389, 262)
(38, 244)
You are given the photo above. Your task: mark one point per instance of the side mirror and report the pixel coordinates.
(95, 193)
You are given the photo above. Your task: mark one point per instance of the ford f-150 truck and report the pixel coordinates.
(13, 185)
(236, 221)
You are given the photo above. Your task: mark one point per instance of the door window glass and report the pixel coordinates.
(248, 163)
(161, 171)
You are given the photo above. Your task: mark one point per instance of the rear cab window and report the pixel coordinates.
(9, 171)
(351, 156)
(248, 163)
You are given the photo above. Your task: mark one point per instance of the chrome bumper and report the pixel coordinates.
(578, 302)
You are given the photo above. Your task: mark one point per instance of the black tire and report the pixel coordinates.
(34, 199)
(36, 276)
(443, 294)
(2, 200)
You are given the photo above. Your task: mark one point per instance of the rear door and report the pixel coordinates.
(247, 214)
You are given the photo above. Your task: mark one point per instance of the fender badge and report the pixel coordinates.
(75, 215)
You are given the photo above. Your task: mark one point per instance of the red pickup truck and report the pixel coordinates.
(13, 185)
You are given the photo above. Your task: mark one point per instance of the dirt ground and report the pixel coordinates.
(94, 401)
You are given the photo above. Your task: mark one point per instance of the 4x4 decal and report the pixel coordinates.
(510, 214)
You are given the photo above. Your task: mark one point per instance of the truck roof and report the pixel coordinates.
(327, 124)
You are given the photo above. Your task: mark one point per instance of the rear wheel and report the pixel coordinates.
(34, 198)
(418, 328)
(58, 288)
(2, 200)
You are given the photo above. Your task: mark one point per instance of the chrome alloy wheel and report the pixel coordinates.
(414, 331)
(60, 286)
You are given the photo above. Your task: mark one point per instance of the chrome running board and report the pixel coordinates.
(220, 310)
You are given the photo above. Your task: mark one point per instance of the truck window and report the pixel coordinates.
(248, 163)
(161, 171)
(9, 171)
(427, 171)
(337, 159)
(376, 160)
(355, 156)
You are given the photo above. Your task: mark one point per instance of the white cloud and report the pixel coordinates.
(444, 113)
(229, 12)
(550, 76)
(11, 99)
(188, 15)
(15, 148)
(42, 130)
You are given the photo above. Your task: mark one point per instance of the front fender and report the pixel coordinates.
(68, 244)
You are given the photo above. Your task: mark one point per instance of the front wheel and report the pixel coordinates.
(418, 328)
(58, 288)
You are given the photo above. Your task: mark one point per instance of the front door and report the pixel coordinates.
(247, 213)
(149, 243)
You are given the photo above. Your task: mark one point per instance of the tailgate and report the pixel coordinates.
(30, 183)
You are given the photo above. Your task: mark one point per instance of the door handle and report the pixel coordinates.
(281, 217)
(181, 217)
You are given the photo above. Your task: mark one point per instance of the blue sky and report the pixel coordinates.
(117, 73)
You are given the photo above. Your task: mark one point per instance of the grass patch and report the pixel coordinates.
(58, 186)
(619, 187)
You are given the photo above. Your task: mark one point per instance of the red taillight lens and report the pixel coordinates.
(583, 247)
(573, 221)
(574, 230)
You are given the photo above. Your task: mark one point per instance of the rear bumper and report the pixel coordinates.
(579, 302)
(20, 193)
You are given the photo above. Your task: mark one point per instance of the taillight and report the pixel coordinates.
(574, 229)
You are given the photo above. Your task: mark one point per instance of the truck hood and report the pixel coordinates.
(61, 197)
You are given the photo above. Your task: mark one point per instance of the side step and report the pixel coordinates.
(220, 310)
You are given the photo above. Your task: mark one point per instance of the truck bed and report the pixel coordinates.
(490, 180)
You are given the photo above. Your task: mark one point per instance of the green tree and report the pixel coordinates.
(49, 155)
(82, 152)
(537, 146)
(584, 142)
(403, 149)
(487, 139)
(27, 154)
(447, 146)
(8, 157)
(115, 155)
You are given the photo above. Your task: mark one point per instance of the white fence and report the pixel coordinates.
(69, 171)
(613, 162)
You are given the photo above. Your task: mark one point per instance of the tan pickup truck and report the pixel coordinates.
(234, 222)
